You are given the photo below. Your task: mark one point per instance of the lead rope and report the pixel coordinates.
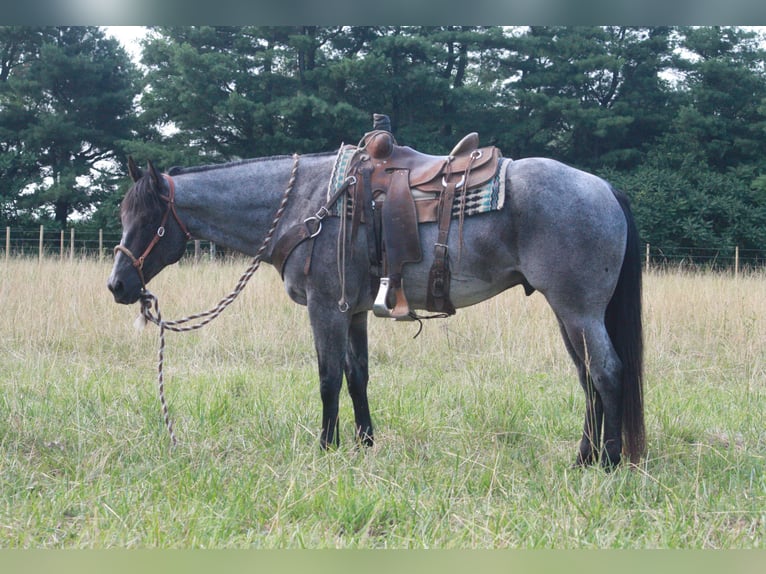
(149, 301)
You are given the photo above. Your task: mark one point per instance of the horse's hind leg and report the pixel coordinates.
(590, 444)
(357, 376)
(599, 369)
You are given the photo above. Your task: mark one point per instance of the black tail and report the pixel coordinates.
(623, 323)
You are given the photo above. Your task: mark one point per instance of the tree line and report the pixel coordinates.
(675, 116)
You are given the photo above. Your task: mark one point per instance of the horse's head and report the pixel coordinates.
(151, 239)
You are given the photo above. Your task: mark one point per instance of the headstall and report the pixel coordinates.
(138, 262)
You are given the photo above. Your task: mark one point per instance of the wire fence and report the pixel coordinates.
(51, 243)
(730, 258)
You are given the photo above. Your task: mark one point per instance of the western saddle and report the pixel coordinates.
(387, 178)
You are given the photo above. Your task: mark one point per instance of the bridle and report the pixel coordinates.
(138, 262)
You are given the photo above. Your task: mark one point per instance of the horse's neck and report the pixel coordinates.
(234, 205)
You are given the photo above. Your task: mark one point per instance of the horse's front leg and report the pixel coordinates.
(357, 376)
(330, 329)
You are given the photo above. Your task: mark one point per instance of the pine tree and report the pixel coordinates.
(68, 98)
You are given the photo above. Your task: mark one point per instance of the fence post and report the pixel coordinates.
(40, 252)
(71, 244)
(647, 258)
(212, 251)
(7, 243)
(736, 261)
(61, 244)
(100, 244)
(196, 250)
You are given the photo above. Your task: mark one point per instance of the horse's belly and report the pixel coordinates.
(465, 289)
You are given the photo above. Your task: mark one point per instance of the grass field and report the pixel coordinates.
(477, 422)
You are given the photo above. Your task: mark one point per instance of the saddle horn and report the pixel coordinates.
(466, 145)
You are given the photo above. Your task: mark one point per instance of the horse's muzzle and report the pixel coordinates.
(122, 292)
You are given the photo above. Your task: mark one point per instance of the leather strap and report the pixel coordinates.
(171, 199)
(437, 298)
(301, 232)
(372, 223)
(285, 245)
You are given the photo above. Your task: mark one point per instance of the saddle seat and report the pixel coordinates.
(429, 173)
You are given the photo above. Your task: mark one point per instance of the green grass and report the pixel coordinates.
(477, 422)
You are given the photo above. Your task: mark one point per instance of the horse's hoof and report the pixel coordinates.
(365, 440)
(584, 459)
(609, 463)
(326, 445)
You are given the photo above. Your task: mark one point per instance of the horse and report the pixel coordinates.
(563, 232)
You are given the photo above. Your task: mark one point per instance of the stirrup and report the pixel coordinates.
(401, 312)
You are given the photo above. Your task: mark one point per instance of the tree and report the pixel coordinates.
(68, 98)
(701, 184)
(427, 79)
(722, 122)
(590, 96)
(17, 164)
(223, 93)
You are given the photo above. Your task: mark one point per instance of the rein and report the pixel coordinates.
(150, 310)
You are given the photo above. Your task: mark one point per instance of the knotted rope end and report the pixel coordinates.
(146, 302)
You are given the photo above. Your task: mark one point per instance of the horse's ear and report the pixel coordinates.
(155, 176)
(133, 170)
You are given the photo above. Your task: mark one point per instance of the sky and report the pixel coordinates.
(129, 37)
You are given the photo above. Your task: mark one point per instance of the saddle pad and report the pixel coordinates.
(488, 197)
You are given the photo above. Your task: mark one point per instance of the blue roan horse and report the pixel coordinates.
(563, 232)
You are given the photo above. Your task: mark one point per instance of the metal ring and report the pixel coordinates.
(457, 186)
(319, 225)
(161, 232)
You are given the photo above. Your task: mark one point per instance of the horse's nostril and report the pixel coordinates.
(114, 286)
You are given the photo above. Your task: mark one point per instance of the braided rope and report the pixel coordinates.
(149, 301)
